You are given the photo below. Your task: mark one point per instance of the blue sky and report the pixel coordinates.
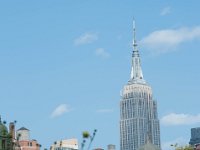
(63, 64)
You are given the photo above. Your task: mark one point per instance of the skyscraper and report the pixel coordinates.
(195, 136)
(138, 109)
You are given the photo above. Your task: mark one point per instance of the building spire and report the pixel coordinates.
(136, 70)
(134, 35)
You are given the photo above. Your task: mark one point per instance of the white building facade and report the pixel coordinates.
(138, 109)
(68, 144)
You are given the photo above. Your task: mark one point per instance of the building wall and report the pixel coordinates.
(195, 136)
(68, 144)
(29, 145)
(138, 117)
(24, 135)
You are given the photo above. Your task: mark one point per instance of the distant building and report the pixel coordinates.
(23, 134)
(29, 145)
(195, 136)
(68, 144)
(111, 147)
(12, 140)
(24, 141)
(98, 149)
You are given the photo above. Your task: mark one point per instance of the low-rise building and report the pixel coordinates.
(12, 140)
(24, 141)
(68, 144)
(111, 147)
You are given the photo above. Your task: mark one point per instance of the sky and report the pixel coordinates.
(63, 64)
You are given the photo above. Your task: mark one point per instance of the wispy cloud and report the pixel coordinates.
(105, 110)
(102, 53)
(86, 39)
(60, 110)
(165, 11)
(162, 41)
(174, 119)
(169, 145)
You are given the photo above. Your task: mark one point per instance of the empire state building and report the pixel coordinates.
(138, 109)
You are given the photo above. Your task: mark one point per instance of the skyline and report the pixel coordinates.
(63, 61)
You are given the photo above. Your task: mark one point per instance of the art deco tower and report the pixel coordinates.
(138, 109)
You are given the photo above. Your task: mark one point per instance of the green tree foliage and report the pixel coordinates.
(186, 147)
(85, 134)
(90, 137)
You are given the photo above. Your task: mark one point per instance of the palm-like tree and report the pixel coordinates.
(86, 135)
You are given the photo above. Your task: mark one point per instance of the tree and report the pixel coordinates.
(86, 135)
(186, 147)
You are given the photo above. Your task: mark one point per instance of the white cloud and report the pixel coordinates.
(105, 110)
(180, 119)
(167, 40)
(60, 110)
(102, 53)
(169, 145)
(86, 39)
(165, 11)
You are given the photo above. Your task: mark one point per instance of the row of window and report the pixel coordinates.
(134, 132)
(138, 95)
(138, 108)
